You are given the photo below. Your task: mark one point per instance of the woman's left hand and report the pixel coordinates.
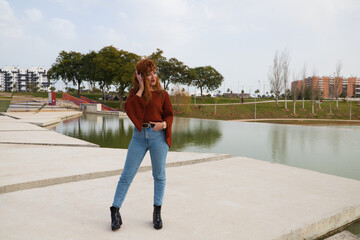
(158, 126)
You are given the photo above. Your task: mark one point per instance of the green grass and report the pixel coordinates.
(4, 105)
(270, 110)
(211, 100)
(241, 111)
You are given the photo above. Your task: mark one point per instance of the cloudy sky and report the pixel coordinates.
(238, 38)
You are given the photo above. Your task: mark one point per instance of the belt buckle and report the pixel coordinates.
(146, 125)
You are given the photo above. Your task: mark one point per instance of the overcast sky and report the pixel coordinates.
(238, 38)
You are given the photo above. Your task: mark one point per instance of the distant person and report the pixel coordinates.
(149, 108)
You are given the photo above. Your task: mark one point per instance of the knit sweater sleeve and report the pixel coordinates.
(168, 116)
(135, 107)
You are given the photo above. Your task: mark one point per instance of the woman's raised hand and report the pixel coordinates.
(141, 84)
(140, 80)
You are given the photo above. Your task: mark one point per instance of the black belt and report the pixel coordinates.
(148, 125)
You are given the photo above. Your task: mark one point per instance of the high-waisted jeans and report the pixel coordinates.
(141, 142)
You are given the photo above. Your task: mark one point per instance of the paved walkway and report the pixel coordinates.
(57, 187)
(297, 119)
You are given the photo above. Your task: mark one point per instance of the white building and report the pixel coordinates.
(13, 79)
(357, 87)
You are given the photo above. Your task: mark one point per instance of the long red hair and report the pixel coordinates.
(145, 67)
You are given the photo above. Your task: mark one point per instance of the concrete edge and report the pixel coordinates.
(48, 122)
(6, 115)
(87, 176)
(339, 231)
(322, 228)
(44, 124)
(344, 235)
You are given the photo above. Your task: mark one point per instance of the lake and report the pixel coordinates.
(329, 149)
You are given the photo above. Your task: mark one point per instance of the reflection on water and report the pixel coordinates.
(329, 149)
(106, 131)
(189, 133)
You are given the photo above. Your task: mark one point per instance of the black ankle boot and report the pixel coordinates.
(157, 217)
(115, 218)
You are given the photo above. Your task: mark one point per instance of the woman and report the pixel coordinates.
(149, 108)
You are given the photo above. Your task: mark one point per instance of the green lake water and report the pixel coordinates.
(329, 149)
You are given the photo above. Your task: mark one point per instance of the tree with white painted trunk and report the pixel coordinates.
(337, 89)
(285, 61)
(295, 93)
(303, 86)
(275, 77)
(313, 92)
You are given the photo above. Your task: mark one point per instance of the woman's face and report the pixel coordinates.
(151, 77)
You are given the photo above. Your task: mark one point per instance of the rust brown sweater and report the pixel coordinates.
(159, 109)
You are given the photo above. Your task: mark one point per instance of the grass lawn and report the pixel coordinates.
(210, 100)
(270, 110)
(4, 105)
(241, 111)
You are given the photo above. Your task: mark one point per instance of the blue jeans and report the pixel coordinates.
(141, 142)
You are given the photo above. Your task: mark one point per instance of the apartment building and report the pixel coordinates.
(357, 87)
(327, 87)
(13, 79)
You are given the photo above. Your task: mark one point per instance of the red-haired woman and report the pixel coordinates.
(149, 108)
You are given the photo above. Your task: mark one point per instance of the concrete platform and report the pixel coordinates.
(41, 138)
(11, 124)
(19, 105)
(43, 118)
(49, 165)
(237, 198)
(20, 131)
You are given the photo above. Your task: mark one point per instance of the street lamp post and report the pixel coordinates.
(195, 97)
(255, 106)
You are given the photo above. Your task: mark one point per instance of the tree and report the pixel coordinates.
(88, 68)
(173, 71)
(303, 86)
(206, 78)
(106, 67)
(275, 77)
(123, 79)
(313, 91)
(58, 70)
(337, 89)
(285, 61)
(170, 71)
(67, 67)
(295, 93)
(157, 57)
